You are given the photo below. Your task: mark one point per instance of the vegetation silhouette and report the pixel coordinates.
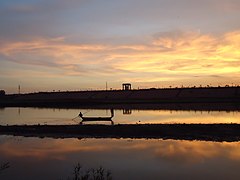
(4, 166)
(100, 173)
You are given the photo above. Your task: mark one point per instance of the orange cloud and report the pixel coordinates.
(170, 56)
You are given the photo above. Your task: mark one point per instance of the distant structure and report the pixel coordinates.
(126, 86)
(127, 111)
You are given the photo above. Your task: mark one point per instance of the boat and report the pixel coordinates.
(97, 119)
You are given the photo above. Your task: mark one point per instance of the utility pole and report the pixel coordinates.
(106, 86)
(19, 89)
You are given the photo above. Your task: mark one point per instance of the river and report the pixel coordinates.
(48, 158)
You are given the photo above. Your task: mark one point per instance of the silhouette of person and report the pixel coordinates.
(80, 114)
(112, 113)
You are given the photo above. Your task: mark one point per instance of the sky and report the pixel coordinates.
(52, 45)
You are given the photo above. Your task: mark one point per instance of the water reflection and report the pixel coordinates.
(85, 119)
(127, 111)
(33, 158)
(90, 174)
(122, 116)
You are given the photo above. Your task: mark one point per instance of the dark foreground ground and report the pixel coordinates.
(208, 95)
(206, 132)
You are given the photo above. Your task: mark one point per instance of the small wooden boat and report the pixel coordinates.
(87, 119)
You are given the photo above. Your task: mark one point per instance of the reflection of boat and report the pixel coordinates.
(87, 119)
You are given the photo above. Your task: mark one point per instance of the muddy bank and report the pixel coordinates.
(205, 132)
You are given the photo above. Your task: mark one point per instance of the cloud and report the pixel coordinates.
(168, 56)
(229, 5)
(55, 53)
(122, 40)
(107, 19)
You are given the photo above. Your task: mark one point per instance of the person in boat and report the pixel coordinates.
(112, 113)
(80, 114)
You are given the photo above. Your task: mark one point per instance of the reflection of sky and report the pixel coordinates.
(80, 44)
(126, 158)
(65, 116)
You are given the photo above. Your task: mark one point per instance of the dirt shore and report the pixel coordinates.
(205, 132)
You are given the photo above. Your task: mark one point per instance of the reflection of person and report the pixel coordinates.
(80, 114)
(112, 113)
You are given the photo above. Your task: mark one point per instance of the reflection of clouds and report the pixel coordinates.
(197, 151)
(47, 148)
(172, 151)
(59, 148)
(187, 152)
(126, 158)
(166, 116)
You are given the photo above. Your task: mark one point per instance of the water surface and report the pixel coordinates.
(48, 158)
(65, 116)
(33, 158)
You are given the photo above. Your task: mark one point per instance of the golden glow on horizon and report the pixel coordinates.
(172, 57)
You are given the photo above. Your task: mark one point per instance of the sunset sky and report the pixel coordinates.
(48, 45)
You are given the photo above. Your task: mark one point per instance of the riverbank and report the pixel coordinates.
(205, 132)
(128, 97)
